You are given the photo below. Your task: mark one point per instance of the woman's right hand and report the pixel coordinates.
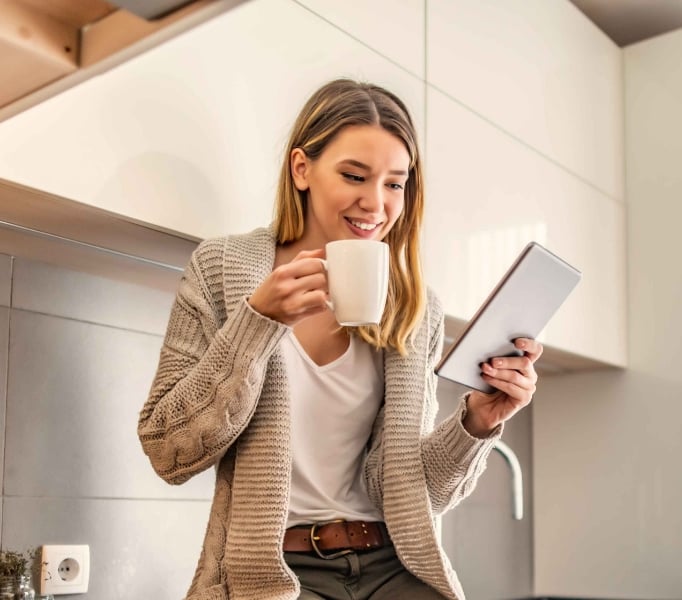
(293, 291)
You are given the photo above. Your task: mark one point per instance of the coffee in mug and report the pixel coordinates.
(357, 273)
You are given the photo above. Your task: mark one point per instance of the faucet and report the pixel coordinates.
(517, 478)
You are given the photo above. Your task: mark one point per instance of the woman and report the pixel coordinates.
(308, 422)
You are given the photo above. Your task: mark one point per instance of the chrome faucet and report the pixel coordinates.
(517, 477)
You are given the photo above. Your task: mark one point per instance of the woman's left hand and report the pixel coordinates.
(515, 379)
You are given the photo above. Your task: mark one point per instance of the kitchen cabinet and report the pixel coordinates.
(488, 196)
(540, 71)
(525, 142)
(394, 29)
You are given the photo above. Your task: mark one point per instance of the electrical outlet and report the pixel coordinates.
(64, 570)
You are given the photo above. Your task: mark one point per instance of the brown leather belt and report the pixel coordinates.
(331, 539)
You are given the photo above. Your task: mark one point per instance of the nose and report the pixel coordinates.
(372, 199)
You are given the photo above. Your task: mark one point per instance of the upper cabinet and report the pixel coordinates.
(189, 135)
(488, 197)
(394, 29)
(542, 72)
(525, 142)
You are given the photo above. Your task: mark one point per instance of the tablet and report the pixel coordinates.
(521, 305)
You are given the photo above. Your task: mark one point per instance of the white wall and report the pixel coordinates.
(608, 505)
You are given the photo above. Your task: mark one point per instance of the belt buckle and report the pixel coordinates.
(314, 539)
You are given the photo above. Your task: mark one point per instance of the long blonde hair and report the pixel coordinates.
(336, 105)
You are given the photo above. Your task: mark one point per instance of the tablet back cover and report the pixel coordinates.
(521, 305)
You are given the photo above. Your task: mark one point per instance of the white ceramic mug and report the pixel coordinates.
(357, 272)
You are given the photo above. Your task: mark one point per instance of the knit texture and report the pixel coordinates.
(220, 398)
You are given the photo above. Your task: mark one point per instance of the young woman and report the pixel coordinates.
(329, 471)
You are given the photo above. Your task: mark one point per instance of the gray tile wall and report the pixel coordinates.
(138, 548)
(5, 299)
(74, 395)
(491, 552)
(77, 356)
(43, 288)
(4, 344)
(5, 279)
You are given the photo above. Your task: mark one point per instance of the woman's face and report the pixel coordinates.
(356, 188)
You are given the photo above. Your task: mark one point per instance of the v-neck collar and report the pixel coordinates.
(327, 366)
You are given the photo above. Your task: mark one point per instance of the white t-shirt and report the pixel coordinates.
(333, 408)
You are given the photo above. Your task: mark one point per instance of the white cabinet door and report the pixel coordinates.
(394, 29)
(541, 71)
(488, 195)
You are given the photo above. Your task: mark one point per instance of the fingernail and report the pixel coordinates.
(521, 344)
(498, 363)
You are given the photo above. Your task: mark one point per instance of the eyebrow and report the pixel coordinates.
(361, 165)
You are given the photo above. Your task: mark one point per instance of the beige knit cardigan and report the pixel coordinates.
(220, 398)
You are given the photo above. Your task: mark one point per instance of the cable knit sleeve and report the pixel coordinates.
(209, 377)
(453, 459)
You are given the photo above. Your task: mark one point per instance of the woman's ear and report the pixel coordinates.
(298, 162)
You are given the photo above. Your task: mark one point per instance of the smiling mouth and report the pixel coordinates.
(363, 226)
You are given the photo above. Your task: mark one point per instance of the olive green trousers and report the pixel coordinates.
(374, 575)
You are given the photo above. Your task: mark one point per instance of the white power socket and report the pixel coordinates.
(65, 570)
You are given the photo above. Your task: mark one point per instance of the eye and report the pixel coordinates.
(396, 186)
(352, 177)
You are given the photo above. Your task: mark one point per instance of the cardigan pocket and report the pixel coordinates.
(215, 592)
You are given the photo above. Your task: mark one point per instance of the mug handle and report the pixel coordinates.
(329, 303)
